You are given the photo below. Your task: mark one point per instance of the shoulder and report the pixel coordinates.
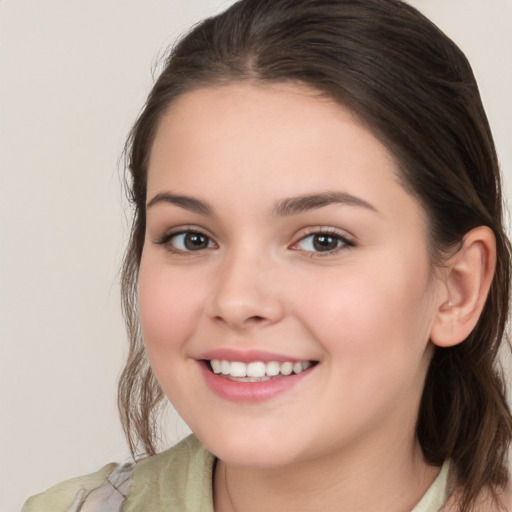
(187, 453)
(179, 478)
(180, 475)
(67, 496)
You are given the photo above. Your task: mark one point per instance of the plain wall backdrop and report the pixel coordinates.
(73, 76)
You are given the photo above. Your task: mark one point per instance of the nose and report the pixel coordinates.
(247, 294)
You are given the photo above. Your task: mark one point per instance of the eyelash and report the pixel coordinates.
(343, 242)
(167, 238)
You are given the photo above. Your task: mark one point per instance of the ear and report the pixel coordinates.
(465, 282)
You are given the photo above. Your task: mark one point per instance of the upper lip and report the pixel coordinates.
(247, 356)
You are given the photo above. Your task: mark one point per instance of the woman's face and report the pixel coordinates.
(279, 239)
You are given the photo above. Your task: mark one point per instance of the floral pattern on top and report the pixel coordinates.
(108, 497)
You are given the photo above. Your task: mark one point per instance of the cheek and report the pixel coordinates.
(369, 313)
(374, 331)
(169, 306)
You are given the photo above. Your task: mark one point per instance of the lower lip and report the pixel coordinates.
(235, 391)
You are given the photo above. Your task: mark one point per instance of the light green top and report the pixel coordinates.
(177, 480)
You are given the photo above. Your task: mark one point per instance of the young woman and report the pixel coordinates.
(318, 274)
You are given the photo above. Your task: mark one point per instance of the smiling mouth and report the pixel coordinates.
(256, 371)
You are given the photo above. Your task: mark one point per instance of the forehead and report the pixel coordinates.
(239, 110)
(269, 142)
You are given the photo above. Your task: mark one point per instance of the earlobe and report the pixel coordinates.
(466, 280)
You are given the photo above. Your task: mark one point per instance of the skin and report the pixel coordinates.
(365, 312)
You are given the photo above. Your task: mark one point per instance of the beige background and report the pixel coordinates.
(73, 75)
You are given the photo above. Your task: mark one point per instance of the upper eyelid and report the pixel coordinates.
(348, 242)
(166, 241)
(297, 237)
(324, 230)
(180, 230)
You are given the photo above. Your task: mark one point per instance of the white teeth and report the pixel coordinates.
(225, 367)
(256, 370)
(237, 369)
(286, 368)
(272, 368)
(216, 365)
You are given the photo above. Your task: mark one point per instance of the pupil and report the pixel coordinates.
(195, 241)
(325, 242)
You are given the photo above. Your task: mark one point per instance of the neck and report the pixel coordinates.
(390, 479)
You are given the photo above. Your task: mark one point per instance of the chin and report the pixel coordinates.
(246, 450)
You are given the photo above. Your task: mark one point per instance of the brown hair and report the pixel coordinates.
(415, 89)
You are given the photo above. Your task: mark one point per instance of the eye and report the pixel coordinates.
(322, 242)
(187, 241)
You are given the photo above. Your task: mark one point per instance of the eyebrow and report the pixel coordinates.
(186, 202)
(299, 204)
(283, 208)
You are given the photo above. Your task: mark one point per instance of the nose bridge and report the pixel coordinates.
(245, 293)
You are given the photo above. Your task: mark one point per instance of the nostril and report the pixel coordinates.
(256, 318)
(252, 319)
